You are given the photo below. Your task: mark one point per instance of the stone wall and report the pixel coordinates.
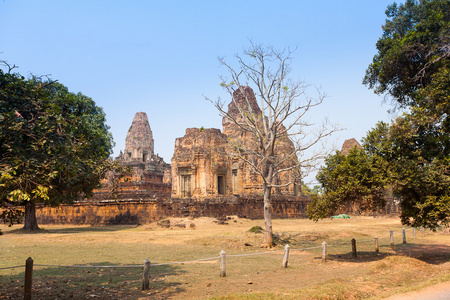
(141, 212)
(199, 158)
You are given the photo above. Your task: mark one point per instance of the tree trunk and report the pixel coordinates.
(268, 236)
(30, 217)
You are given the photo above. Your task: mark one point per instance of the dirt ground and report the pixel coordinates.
(418, 264)
(436, 292)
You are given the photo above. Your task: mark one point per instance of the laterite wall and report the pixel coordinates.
(135, 212)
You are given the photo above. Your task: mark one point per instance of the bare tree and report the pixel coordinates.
(276, 118)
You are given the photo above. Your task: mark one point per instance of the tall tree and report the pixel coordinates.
(416, 171)
(412, 68)
(279, 118)
(54, 144)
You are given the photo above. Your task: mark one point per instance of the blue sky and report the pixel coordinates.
(160, 57)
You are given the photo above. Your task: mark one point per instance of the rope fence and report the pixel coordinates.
(222, 258)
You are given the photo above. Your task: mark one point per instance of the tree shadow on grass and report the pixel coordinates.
(75, 229)
(94, 283)
(432, 254)
(361, 257)
(435, 254)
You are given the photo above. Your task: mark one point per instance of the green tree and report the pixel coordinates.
(417, 173)
(412, 67)
(393, 159)
(353, 180)
(54, 144)
(307, 191)
(413, 51)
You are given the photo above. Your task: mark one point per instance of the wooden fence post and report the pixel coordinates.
(354, 248)
(285, 256)
(391, 236)
(223, 271)
(404, 235)
(28, 279)
(377, 248)
(324, 251)
(146, 275)
(414, 232)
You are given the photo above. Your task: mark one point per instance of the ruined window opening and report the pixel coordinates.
(221, 185)
(144, 156)
(234, 181)
(129, 155)
(185, 186)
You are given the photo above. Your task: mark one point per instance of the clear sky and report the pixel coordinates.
(160, 57)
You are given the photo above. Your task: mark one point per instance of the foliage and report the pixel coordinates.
(393, 158)
(412, 67)
(355, 179)
(256, 229)
(307, 191)
(419, 172)
(413, 50)
(54, 143)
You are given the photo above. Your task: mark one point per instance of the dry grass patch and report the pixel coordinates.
(419, 263)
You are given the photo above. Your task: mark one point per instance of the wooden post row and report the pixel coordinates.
(223, 271)
(28, 279)
(354, 248)
(404, 235)
(284, 264)
(146, 275)
(391, 236)
(324, 251)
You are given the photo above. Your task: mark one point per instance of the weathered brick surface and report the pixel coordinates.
(141, 212)
(348, 145)
(206, 163)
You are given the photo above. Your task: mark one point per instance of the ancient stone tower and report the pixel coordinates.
(139, 144)
(205, 167)
(139, 153)
(149, 178)
(348, 145)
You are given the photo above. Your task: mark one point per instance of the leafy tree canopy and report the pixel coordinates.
(356, 179)
(413, 67)
(54, 144)
(399, 158)
(411, 156)
(413, 52)
(418, 171)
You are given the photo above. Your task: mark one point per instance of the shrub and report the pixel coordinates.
(256, 229)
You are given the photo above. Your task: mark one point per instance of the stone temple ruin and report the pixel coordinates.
(150, 177)
(139, 151)
(204, 179)
(203, 165)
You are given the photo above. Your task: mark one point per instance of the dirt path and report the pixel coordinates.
(436, 292)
